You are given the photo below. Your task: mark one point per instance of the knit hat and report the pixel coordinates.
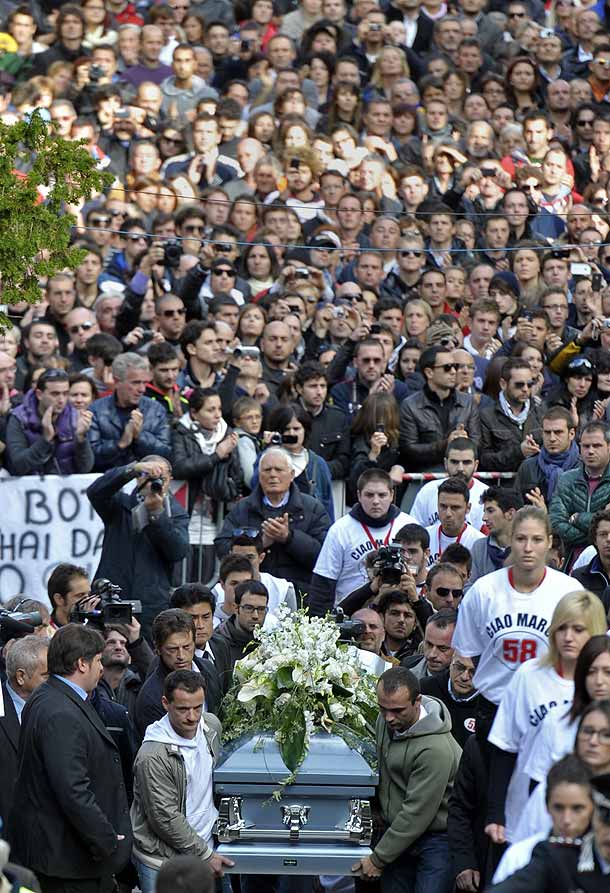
(438, 331)
(509, 280)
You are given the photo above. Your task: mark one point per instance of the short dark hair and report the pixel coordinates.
(429, 355)
(61, 578)
(71, 643)
(232, 563)
(374, 474)
(190, 594)
(455, 486)
(413, 533)
(462, 443)
(596, 426)
(456, 553)
(393, 597)
(400, 677)
(242, 539)
(254, 587)
(442, 567)
(308, 371)
(513, 364)
(283, 413)
(444, 618)
(556, 413)
(171, 621)
(192, 333)
(506, 499)
(187, 680)
(198, 396)
(161, 353)
(104, 346)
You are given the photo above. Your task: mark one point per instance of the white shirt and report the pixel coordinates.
(280, 592)
(345, 549)
(517, 856)
(556, 739)
(535, 818)
(505, 627)
(425, 504)
(439, 540)
(530, 696)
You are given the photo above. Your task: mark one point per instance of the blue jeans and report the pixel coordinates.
(147, 876)
(424, 868)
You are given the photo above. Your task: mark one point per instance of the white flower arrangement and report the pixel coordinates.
(300, 679)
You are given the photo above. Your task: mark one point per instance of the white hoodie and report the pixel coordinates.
(200, 810)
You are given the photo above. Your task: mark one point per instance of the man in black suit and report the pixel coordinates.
(26, 669)
(174, 636)
(70, 820)
(418, 27)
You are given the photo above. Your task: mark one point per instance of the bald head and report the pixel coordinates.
(374, 632)
(276, 344)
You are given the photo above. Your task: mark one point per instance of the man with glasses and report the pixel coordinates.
(135, 243)
(170, 318)
(403, 279)
(81, 325)
(554, 302)
(507, 427)
(45, 434)
(437, 414)
(252, 604)
(454, 687)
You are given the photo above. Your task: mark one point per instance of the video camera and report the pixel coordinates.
(389, 564)
(111, 609)
(17, 624)
(349, 630)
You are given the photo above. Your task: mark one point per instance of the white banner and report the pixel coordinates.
(45, 521)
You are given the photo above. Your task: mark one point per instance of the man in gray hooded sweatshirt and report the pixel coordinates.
(418, 759)
(173, 808)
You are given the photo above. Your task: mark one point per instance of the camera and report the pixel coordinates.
(17, 624)
(380, 428)
(276, 439)
(339, 313)
(95, 73)
(389, 564)
(247, 352)
(301, 273)
(156, 485)
(375, 328)
(172, 252)
(223, 246)
(596, 281)
(121, 114)
(580, 269)
(111, 609)
(295, 164)
(606, 324)
(245, 45)
(375, 26)
(349, 630)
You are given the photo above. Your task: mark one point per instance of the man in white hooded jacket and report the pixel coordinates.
(173, 809)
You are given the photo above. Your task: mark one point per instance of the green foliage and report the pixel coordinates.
(36, 236)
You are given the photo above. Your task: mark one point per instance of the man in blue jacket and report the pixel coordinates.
(126, 425)
(145, 532)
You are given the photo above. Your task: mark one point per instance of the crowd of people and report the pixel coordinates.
(347, 245)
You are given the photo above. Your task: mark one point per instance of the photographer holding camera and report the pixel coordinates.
(145, 532)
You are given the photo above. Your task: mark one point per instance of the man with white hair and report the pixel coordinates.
(293, 524)
(26, 669)
(127, 425)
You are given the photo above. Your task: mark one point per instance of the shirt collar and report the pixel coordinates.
(284, 501)
(79, 691)
(18, 701)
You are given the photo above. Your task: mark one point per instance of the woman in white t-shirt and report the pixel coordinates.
(558, 733)
(537, 688)
(592, 746)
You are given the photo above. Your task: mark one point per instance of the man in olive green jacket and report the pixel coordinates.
(173, 810)
(418, 759)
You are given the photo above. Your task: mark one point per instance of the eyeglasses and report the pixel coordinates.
(194, 228)
(138, 237)
(251, 609)
(589, 732)
(446, 367)
(600, 200)
(100, 221)
(523, 384)
(53, 375)
(516, 15)
(81, 327)
(462, 367)
(585, 122)
(176, 140)
(178, 311)
(413, 252)
(526, 188)
(224, 272)
(251, 532)
(445, 593)
(605, 63)
(118, 213)
(351, 297)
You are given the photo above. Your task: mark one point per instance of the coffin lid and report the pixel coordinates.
(256, 759)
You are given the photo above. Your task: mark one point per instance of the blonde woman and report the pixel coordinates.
(390, 66)
(537, 688)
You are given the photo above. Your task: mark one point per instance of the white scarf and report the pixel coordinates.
(521, 418)
(207, 440)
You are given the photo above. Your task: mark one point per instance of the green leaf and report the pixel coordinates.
(292, 746)
(284, 677)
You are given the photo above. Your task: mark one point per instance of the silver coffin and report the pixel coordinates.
(321, 825)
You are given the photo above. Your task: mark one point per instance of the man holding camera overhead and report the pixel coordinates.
(145, 532)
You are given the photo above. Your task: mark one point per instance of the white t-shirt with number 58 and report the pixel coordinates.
(504, 627)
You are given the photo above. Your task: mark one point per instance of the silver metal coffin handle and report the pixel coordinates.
(357, 829)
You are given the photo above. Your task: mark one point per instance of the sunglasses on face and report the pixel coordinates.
(179, 311)
(445, 593)
(412, 252)
(194, 228)
(100, 221)
(447, 367)
(81, 327)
